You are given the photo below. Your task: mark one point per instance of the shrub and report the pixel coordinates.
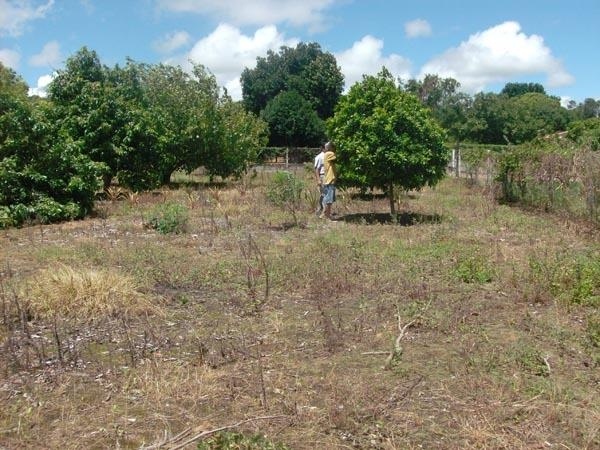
(169, 218)
(285, 190)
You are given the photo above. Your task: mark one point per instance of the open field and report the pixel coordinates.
(291, 331)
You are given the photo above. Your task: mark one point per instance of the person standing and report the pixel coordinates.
(320, 175)
(329, 179)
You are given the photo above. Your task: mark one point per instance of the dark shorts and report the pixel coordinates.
(328, 193)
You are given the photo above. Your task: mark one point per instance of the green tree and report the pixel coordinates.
(386, 137)
(531, 115)
(306, 71)
(43, 175)
(517, 89)
(88, 109)
(314, 74)
(240, 138)
(292, 121)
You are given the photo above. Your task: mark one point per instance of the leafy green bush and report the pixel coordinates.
(168, 218)
(228, 440)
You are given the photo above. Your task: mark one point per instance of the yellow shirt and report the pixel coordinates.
(329, 163)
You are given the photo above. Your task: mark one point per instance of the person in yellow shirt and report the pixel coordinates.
(329, 179)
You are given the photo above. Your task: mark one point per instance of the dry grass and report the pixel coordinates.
(88, 294)
(259, 320)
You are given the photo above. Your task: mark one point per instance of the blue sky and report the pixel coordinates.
(483, 44)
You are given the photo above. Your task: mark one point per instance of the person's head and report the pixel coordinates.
(329, 147)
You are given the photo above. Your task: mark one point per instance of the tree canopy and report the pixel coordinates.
(386, 137)
(138, 123)
(306, 70)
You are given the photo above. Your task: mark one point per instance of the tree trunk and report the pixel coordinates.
(392, 199)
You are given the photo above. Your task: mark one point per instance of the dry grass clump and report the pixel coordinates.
(82, 293)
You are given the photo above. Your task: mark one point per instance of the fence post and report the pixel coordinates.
(287, 157)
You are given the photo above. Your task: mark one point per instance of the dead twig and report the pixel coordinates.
(396, 352)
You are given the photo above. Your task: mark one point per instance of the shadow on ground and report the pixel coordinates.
(404, 219)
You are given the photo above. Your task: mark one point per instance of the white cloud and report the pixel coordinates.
(10, 58)
(498, 54)
(256, 12)
(365, 58)
(226, 52)
(49, 56)
(172, 41)
(417, 28)
(42, 86)
(16, 14)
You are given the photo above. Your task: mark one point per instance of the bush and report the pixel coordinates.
(169, 218)
(285, 190)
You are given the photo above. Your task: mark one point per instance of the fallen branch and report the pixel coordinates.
(206, 433)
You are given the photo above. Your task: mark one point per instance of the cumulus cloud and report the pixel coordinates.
(365, 57)
(172, 42)
(10, 58)
(417, 28)
(257, 12)
(498, 54)
(227, 51)
(17, 13)
(49, 56)
(41, 89)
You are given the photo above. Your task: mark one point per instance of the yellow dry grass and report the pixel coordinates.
(82, 293)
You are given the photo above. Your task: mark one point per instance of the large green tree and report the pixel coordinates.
(43, 175)
(531, 115)
(293, 121)
(306, 70)
(516, 89)
(385, 137)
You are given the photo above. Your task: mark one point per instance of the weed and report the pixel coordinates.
(285, 190)
(168, 218)
(473, 269)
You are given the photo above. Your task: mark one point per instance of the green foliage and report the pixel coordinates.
(293, 121)
(516, 89)
(43, 175)
(241, 137)
(586, 133)
(306, 69)
(579, 282)
(473, 269)
(500, 119)
(386, 137)
(168, 218)
(229, 440)
(293, 90)
(573, 280)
